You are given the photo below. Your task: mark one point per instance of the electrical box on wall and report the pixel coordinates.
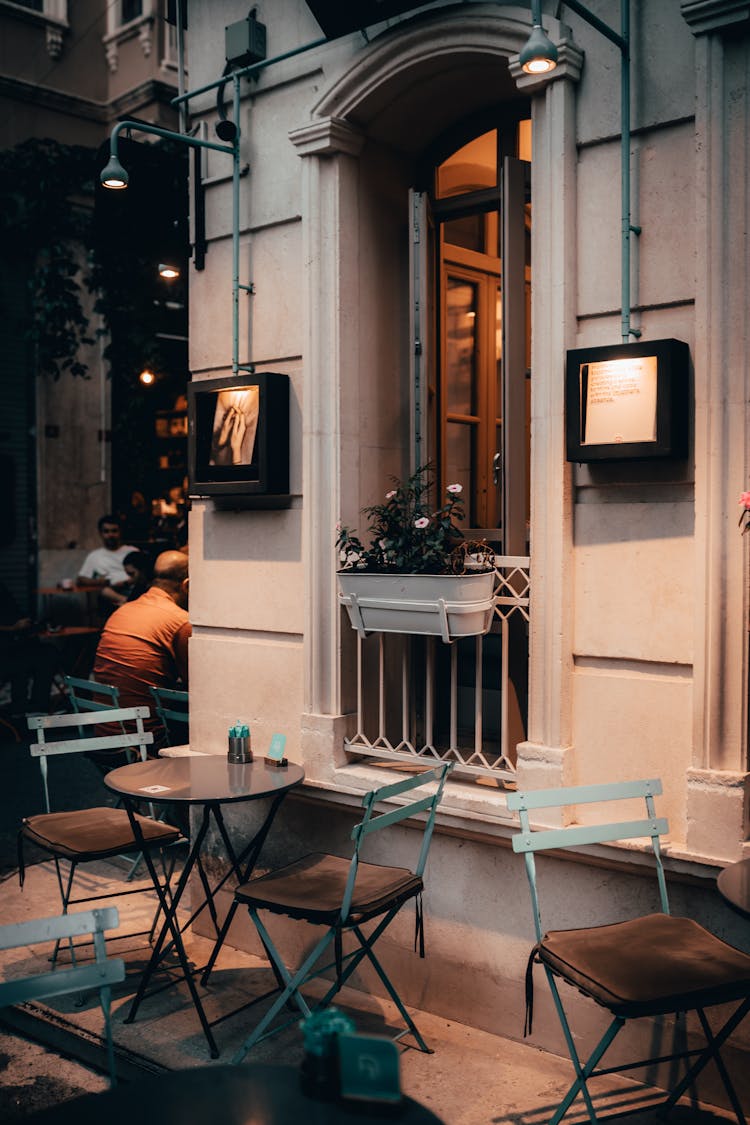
(238, 440)
(628, 401)
(245, 42)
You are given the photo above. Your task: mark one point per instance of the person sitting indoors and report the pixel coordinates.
(139, 568)
(103, 568)
(145, 641)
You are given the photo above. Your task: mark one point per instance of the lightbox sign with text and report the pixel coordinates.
(628, 401)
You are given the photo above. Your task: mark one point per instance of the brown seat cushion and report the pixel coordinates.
(312, 888)
(649, 965)
(93, 833)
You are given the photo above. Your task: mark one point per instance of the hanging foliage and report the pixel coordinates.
(76, 239)
(45, 220)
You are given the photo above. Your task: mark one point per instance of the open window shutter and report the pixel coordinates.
(421, 328)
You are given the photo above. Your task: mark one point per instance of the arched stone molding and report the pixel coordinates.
(718, 785)
(473, 31)
(330, 143)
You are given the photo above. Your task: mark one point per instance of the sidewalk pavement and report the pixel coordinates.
(473, 1078)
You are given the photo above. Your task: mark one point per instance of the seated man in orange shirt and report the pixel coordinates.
(146, 641)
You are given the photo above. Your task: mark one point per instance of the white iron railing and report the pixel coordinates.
(419, 699)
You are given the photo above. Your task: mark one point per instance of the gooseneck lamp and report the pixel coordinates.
(113, 175)
(539, 54)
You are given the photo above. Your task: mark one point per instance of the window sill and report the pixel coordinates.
(484, 817)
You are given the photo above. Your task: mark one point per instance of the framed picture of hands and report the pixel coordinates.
(238, 440)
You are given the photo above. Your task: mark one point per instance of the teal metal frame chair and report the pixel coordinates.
(101, 974)
(651, 965)
(90, 695)
(84, 835)
(172, 707)
(342, 895)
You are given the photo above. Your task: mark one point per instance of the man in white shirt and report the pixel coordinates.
(102, 568)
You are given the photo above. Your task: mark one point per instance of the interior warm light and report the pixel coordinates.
(168, 272)
(147, 377)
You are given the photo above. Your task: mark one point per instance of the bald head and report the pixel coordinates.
(171, 573)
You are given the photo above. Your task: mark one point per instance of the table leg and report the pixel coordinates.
(249, 857)
(171, 925)
(241, 866)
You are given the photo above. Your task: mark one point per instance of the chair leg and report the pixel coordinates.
(293, 985)
(410, 1024)
(219, 943)
(65, 892)
(713, 1043)
(583, 1072)
(353, 960)
(105, 997)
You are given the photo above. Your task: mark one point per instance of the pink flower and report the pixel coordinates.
(745, 500)
(422, 522)
(391, 494)
(455, 488)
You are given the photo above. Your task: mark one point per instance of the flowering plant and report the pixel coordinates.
(407, 536)
(745, 516)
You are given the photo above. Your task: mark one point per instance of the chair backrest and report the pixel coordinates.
(172, 707)
(529, 840)
(101, 973)
(137, 739)
(425, 805)
(88, 695)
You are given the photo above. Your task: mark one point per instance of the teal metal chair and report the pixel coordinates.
(173, 708)
(342, 895)
(85, 696)
(84, 835)
(651, 965)
(90, 695)
(101, 974)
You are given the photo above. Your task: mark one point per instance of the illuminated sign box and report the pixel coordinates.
(628, 401)
(238, 440)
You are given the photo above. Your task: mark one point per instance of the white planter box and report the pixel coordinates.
(442, 605)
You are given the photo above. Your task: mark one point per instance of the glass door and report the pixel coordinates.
(482, 217)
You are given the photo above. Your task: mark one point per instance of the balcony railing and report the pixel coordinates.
(421, 700)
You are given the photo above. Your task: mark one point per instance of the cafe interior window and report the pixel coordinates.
(482, 214)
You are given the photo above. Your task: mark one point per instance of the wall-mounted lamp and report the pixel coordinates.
(168, 271)
(539, 55)
(147, 377)
(113, 175)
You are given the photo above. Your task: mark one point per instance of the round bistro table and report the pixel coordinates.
(208, 782)
(733, 884)
(229, 1095)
